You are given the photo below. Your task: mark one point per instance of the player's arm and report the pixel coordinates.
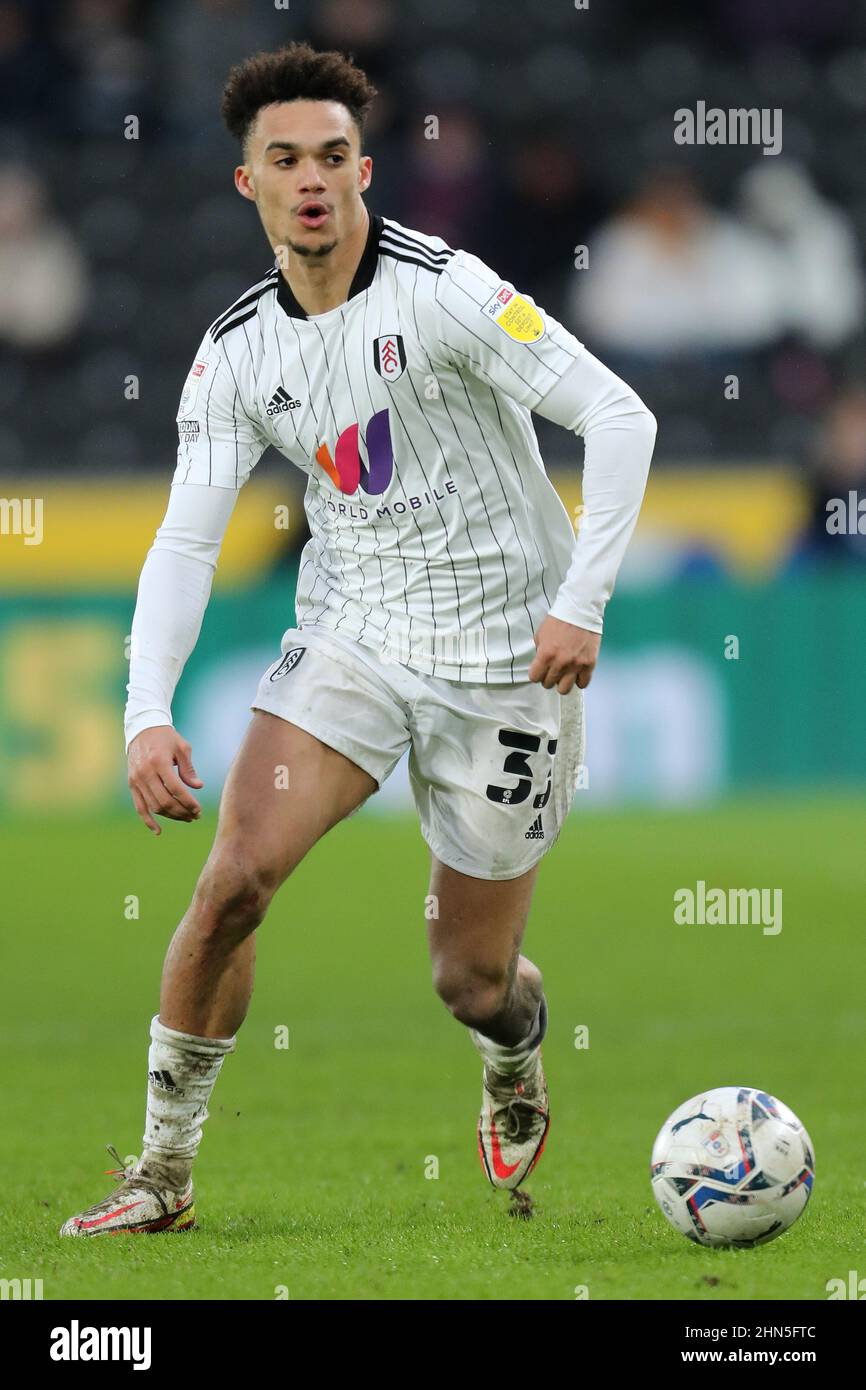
(173, 593)
(619, 434)
(485, 325)
(219, 446)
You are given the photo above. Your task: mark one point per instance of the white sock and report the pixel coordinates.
(520, 1059)
(182, 1071)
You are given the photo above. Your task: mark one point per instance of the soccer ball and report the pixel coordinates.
(732, 1166)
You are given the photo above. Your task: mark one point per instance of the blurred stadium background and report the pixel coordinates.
(726, 285)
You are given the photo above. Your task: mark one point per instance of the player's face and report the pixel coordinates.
(305, 173)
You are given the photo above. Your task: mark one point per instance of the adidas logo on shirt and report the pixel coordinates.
(535, 831)
(280, 401)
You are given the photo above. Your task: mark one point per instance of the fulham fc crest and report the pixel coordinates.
(389, 356)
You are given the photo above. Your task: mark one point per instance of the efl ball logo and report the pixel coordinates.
(717, 1145)
(190, 390)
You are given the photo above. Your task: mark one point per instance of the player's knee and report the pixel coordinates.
(474, 997)
(234, 891)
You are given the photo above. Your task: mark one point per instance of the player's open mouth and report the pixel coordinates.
(312, 214)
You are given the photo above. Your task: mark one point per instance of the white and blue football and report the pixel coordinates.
(733, 1166)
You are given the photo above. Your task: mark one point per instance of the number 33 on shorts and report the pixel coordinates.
(492, 796)
(517, 765)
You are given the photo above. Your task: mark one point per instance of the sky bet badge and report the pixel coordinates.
(515, 316)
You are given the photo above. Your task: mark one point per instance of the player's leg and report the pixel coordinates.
(327, 731)
(485, 982)
(493, 772)
(284, 791)
(478, 970)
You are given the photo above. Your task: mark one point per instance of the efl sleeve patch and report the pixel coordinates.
(517, 318)
(190, 390)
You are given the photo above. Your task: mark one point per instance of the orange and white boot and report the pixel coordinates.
(140, 1205)
(512, 1129)
(515, 1108)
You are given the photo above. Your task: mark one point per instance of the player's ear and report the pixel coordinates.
(244, 183)
(365, 172)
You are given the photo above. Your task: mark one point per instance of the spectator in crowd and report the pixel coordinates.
(368, 30)
(669, 274)
(43, 286)
(837, 485)
(197, 42)
(33, 78)
(112, 63)
(820, 278)
(449, 184)
(548, 206)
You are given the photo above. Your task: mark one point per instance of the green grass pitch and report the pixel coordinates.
(311, 1175)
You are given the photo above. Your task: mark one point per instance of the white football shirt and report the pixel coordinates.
(436, 534)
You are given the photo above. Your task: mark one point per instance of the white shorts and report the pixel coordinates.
(493, 768)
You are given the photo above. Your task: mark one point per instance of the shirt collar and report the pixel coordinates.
(362, 280)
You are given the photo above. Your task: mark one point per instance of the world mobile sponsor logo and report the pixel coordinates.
(347, 469)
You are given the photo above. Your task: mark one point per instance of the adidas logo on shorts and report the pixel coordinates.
(535, 831)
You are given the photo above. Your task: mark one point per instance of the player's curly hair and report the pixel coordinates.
(297, 71)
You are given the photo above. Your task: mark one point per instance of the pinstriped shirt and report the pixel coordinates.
(436, 536)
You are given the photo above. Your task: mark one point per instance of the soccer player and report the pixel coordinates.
(443, 605)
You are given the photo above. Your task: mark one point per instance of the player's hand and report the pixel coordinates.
(160, 763)
(564, 654)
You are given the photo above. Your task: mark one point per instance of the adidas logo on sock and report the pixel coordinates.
(535, 831)
(280, 401)
(163, 1080)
